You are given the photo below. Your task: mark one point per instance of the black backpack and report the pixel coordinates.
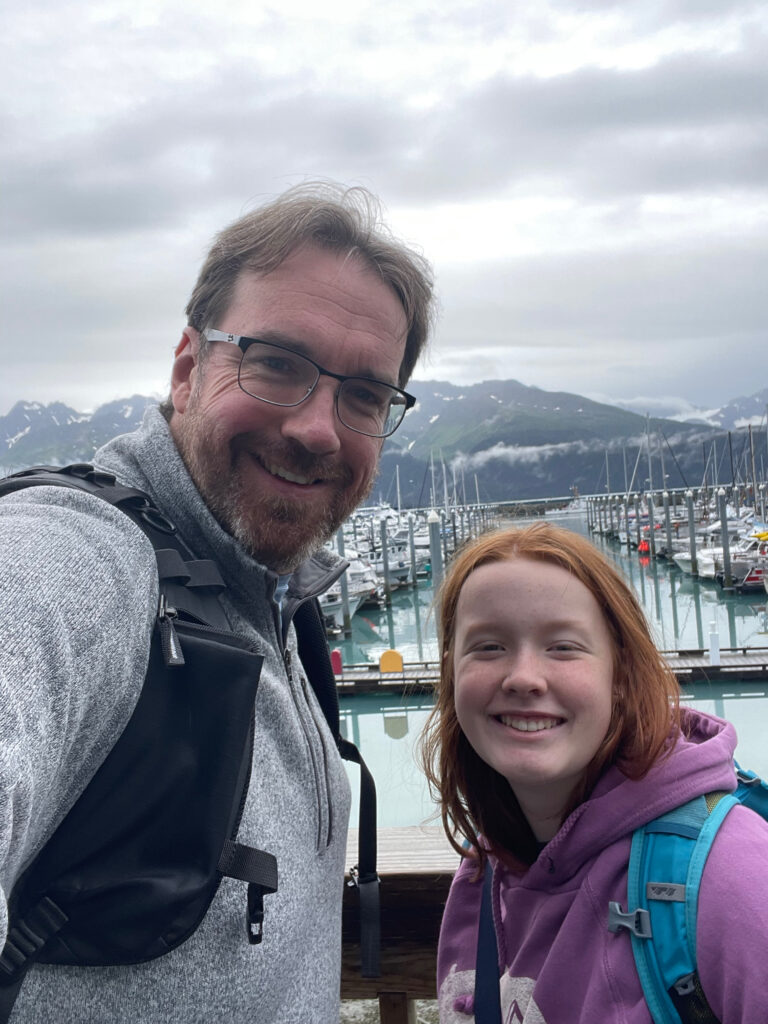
(92, 895)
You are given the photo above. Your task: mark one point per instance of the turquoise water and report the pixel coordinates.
(680, 612)
(386, 729)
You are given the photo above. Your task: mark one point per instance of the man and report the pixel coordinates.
(305, 324)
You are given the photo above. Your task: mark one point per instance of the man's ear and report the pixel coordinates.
(184, 371)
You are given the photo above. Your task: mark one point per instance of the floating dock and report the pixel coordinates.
(738, 665)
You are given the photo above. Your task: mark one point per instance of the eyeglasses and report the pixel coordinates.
(280, 376)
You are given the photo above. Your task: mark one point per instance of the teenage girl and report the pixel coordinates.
(556, 732)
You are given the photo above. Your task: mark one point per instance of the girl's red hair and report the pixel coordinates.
(474, 799)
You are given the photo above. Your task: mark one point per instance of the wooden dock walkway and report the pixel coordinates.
(745, 664)
(416, 866)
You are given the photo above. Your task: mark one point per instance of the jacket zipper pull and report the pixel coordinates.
(169, 638)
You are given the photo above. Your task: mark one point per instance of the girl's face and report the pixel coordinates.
(533, 669)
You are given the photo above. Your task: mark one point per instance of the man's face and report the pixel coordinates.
(282, 480)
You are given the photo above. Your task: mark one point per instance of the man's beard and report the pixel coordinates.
(277, 532)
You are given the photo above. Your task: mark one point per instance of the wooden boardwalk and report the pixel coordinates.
(416, 865)
(738, 663)
(742, 663)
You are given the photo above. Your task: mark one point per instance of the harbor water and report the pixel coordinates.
(682, 613)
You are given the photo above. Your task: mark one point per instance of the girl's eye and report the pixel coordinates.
(565, 645)
(488, 646)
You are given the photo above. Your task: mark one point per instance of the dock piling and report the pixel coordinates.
(692, 532)
(435, 551)
(723, 509)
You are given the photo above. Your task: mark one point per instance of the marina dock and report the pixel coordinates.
(747, 665)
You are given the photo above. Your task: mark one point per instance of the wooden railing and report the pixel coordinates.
(416, 866)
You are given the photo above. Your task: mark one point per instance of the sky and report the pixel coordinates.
(589, 180)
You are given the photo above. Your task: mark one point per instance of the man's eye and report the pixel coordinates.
(365, 395)
(276, 364)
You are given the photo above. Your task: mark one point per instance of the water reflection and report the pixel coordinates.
(387, 729)
(682, 611)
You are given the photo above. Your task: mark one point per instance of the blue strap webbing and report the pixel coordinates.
(696, 867)
(667, 860)
(487, 995)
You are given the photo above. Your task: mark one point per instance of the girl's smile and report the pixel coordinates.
(521, 723)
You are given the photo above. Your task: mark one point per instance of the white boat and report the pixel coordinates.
(749, 575)
(708, 546)
(576, 507)
(745, 550)
(363, 586)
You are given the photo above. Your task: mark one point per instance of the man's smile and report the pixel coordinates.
(286, 474)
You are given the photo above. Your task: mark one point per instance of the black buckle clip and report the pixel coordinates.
(254, 918)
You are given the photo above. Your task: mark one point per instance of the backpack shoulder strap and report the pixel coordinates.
(666, 863)
(751, 791)
(312, 643)
(188, 585)
(316, 659)
(189, 590)
(487, 993)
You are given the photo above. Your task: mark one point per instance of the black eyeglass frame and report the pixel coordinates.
(244, 343)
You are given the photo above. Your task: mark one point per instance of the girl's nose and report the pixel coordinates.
(524, 673)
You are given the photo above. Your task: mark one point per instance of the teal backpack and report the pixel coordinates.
(665, 867)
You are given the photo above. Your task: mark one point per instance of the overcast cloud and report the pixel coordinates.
(589, 179)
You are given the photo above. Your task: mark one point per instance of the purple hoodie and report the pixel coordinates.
(560, 963)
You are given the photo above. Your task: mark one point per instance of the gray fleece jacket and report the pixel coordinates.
(77, 604)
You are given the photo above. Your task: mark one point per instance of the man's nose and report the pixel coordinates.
(314, 423)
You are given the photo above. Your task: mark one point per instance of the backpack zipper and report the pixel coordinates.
(169, 638)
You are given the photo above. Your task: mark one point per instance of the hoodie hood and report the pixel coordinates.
(700, 762)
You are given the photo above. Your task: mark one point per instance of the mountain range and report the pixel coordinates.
(499, 440)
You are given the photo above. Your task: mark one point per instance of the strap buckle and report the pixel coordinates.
(636, 921)
(356, 879)
(254, 918)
